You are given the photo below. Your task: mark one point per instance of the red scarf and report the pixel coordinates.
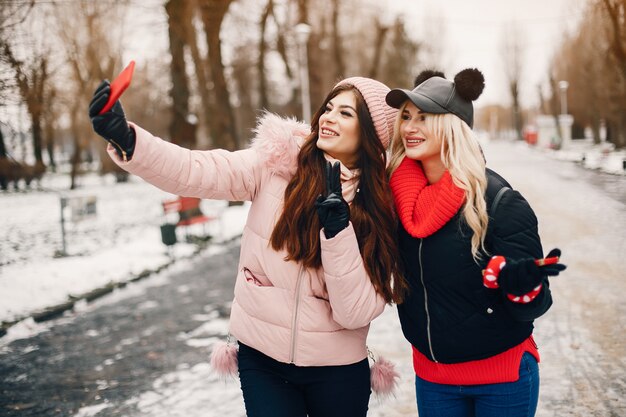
(423, 208)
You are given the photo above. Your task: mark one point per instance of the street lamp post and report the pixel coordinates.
(563, 87)
(302, 35)
(565, 120)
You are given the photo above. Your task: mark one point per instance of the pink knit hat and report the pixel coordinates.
(382, 114)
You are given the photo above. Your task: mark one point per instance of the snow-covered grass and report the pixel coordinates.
(602, 157)
(121, 241)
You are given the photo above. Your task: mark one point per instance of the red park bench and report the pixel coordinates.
(189, 213)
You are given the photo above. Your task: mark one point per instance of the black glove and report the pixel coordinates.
(111, 125)
(521, 277)
(333, 211)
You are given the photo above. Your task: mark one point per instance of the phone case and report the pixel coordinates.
(119, 85)
(547, 261)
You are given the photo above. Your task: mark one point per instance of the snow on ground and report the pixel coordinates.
(119, 242)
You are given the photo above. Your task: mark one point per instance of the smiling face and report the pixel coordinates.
(339, 133)
(419, 143)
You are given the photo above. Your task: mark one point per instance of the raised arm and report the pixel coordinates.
(216, 174)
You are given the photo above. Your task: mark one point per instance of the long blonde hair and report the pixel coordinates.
(463, 158)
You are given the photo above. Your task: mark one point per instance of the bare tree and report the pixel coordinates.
(12, 16)
(31, 81)
(338, 51)
(400, 60)
(281, 48)
(512, 53)
(581, 62)
(267, 12)
(284, 46)
(182, 131)
(381, 32)
(616, 13)
(212, 13)
(201, 70)
(49, 118)
(244, 75)
(589, 60)
(89, 42)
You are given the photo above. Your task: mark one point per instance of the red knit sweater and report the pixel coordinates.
(423, 209)
(503, 367)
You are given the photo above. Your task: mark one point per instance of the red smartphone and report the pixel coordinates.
(119, 84)
(547, 261)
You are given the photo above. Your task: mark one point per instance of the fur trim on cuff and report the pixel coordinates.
(278, 141)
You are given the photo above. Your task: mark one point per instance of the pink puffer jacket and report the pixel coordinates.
(293, 314)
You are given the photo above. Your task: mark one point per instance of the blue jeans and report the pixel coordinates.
(275, 389)
(509, 399)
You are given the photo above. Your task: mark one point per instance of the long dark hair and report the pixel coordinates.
(371, 211)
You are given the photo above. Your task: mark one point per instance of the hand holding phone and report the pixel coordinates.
(550, 265)
(118, 86)
(547, 261)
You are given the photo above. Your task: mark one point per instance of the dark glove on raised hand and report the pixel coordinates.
(333, 211)
(521, 277)
(111, 125)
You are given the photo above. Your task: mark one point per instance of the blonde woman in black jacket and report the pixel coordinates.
(475, 270)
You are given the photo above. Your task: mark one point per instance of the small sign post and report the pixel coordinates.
(80, 207)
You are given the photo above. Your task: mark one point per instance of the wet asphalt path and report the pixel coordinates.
(116, 347)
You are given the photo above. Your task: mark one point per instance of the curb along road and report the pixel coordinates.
(55, 311)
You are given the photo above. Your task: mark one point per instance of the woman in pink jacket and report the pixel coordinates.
(318, 251)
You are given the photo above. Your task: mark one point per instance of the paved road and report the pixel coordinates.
(114, 350)
(142, 351)
(582, 338)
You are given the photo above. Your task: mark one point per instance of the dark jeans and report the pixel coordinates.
(509, 399)
(275, 389)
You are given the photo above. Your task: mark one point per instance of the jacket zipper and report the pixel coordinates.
(124, 158)
(430, 343)
(294, 321)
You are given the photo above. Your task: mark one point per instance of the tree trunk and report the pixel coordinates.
(340, 71)
(616, 11)
(203, 76)
(37, 138)
(281, 47)
(213, 12)
(3, 148)
(554, 107)
(182, 132)
(75, 160)
(263, 100)
(381, 31)
(517, 111)
(49, 130)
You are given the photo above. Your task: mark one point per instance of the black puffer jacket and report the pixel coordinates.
(449, 316)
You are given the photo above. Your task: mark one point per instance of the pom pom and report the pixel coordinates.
(383, 377)
(224, 359)
(469, 83)
(426, 74)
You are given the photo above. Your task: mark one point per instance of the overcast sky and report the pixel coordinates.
(470, 32)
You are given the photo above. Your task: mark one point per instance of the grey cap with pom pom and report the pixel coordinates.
(438, 95)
